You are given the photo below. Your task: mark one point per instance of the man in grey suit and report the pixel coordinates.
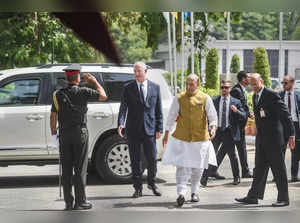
(292, 100)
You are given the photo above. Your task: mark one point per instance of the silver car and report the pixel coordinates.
(25, 104)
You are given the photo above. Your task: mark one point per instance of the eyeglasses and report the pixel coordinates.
(224, 87)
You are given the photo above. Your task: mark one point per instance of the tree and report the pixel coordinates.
(36, 38)
(212, 75)
(261, 65)
(196, 65)
(133, 46)
(235, 64)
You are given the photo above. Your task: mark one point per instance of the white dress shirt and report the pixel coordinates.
(260, 92)
(145, 83)
(293, 105)
(221, 110)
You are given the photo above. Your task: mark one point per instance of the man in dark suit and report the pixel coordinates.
(270, 115)
(238, 91)
(230, 112)
(142, 111)
(292, 100)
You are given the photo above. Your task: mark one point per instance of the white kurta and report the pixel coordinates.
(190, 154)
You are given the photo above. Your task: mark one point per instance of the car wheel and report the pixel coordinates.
(112, 160)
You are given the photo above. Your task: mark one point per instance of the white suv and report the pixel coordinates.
(25, 104)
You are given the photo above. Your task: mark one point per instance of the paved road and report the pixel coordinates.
(26, 189)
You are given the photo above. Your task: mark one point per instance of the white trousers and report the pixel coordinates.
(183, 174)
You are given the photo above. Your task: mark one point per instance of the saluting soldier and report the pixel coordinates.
(70, 107)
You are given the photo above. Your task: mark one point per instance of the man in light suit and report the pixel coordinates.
(292, 100)
(141, 110)
(230, 113)
(271, 115)
(239, 92)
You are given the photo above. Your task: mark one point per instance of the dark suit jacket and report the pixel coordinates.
(297, 103)
(234, 118)
(141, 118)
(238, 93)
(270, 129)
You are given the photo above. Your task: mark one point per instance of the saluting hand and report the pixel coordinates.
(90, 79)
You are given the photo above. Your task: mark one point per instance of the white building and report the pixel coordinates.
(244, 48)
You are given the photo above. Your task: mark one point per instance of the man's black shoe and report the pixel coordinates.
(203, 181)
(247, 200)
(294, 179)
(68, 206)
(83, 206)
(137, 193)
(218, 176)
(281, 204)
(194, 198)
(180, 200)
(155, 190)
(236, 181)
(247, 175)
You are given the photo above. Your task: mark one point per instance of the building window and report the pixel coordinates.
(248, 61)
(286, 62)
(224, 61)
(273, 57)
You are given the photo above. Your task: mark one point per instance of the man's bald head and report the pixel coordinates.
(193, 77)
(256, 82)
(192, 84)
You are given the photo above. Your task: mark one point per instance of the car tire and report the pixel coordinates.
(112, 161)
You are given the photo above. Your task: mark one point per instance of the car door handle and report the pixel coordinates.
(34, 117)
(100, 115)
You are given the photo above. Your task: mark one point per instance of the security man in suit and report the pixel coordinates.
(142, 111)
(292, 100)
(271, 115)
(70, 108)
(230, 113)
(239, 92)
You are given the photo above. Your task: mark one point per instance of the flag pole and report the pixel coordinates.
(192, 42)
(174, 54)
(182, 51)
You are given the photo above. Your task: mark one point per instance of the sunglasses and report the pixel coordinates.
(224, 87)
(284, 83)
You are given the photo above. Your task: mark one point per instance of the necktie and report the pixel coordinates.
(223, 123)
(142, 93)
(256, 99)
(289, 102)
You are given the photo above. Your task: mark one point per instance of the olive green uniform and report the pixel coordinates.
(71, 105)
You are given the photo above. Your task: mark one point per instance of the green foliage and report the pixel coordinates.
(155, 25)
(261, 65)
(212, 75)
(249, 100)
(168, 77)
(235, 64)
(211, 92)
(296, 34)
(133, 46)
(196, 65)
(30, 39)
(259, 26)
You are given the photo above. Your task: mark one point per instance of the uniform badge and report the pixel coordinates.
(262, 113)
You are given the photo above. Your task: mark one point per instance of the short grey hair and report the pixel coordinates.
(141, 64)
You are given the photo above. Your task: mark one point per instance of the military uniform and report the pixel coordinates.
(70, 104)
